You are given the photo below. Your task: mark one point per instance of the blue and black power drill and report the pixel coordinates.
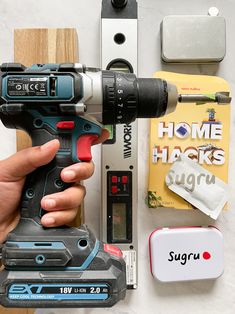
(67, 266)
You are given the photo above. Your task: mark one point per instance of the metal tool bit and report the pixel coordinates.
(222, 98)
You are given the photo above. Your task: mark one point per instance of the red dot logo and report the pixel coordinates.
(206, 255)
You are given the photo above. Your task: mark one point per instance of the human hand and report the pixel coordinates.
(61, 207)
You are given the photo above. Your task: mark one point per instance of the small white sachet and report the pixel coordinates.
(197, 186)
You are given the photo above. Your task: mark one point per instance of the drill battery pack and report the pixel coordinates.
(79, 271)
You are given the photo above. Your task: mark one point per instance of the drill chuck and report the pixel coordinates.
(126, 97)
(156, 98)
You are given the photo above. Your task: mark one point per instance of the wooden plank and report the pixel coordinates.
(15, 311)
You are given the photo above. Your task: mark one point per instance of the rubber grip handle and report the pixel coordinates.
(46, 179)
(75, 147)
(43, 181)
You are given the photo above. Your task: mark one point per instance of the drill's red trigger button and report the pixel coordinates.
(84, 146)
(69, 125)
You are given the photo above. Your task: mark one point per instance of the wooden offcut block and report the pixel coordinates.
(15, 311)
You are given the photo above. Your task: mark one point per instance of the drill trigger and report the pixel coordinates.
(84, 146)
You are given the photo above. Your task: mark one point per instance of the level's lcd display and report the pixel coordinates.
(119, 221)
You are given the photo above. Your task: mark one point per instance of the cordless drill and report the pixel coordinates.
(67, 266)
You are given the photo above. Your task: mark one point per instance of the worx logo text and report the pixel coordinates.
(127, 136)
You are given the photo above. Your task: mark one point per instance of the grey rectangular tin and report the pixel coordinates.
(193, 38)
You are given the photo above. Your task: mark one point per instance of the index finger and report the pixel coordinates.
(103, 137)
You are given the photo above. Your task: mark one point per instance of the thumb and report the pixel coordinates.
(27, 160)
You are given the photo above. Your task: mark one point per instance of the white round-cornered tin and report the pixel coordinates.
(186, 253)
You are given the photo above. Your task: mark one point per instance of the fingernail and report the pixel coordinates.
(49, 203)
(48, 145)
(69, 174)
(48, 221)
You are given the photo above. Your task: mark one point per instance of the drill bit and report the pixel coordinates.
(222, 98)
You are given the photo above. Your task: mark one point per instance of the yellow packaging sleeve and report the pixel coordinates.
(200, 131)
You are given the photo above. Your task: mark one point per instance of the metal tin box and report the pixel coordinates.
(193, 38)
(186, 253)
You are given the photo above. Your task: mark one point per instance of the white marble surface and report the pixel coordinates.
(151, 297)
